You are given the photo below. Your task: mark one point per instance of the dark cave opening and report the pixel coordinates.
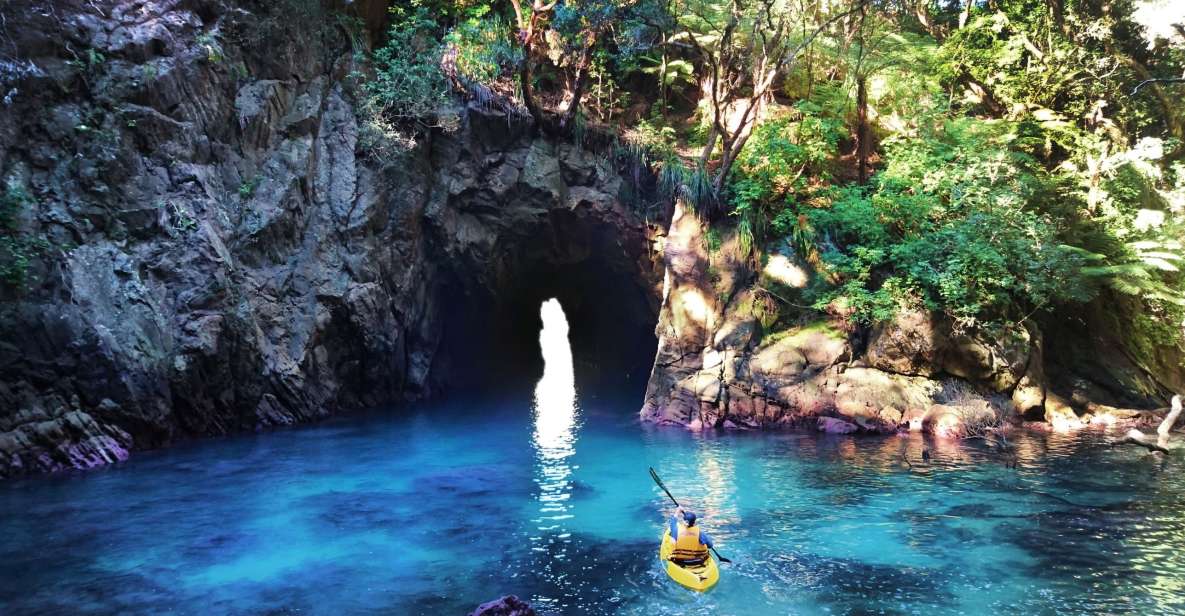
(610, 297)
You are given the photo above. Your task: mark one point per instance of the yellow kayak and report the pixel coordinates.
(697, 577)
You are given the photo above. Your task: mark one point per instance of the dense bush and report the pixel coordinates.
(407, 82)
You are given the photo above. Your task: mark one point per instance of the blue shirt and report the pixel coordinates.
(703, 536)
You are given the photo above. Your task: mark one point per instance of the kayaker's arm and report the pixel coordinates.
(674, 527)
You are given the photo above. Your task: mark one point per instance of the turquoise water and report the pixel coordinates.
(544, 493)
(434, 511)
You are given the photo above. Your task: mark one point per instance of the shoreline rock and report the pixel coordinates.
(508, 605)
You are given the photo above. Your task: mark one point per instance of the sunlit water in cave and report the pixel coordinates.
(544, 493)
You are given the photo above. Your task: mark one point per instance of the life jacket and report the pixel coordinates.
(688, 548)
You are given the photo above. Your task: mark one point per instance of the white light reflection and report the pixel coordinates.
(555, 414)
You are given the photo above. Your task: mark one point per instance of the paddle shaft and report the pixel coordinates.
(654, 476)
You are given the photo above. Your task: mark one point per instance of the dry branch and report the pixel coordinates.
(1161, 443)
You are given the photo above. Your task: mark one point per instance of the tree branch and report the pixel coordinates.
(1156, 80)
(1161, 443)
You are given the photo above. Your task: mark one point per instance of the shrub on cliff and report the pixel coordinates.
(407, 81)
(17, 247)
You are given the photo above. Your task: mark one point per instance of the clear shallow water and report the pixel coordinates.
(545, 494)
(435, 511)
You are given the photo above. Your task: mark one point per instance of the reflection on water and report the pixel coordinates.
(554, 411)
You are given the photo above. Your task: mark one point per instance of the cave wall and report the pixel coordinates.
(220, 254)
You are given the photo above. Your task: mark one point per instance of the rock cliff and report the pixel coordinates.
(216, 252)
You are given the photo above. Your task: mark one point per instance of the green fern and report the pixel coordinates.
(1140, 271)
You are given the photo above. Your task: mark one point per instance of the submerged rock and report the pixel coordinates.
(509, 605)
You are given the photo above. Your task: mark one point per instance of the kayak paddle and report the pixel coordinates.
(654, 476)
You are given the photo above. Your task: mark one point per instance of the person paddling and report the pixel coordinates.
(691, 542)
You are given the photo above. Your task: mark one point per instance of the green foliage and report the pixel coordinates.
(182, 221)
(482, 46)
(1012, 167)
(247, 187)
(785, 159)
(213, 49)
(693, 183)
(17, 247)
(1138, 269)
(148, 72)
(712, 240)
(783, 154)
(407, 82)
(950, 224)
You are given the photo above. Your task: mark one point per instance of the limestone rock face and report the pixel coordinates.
(718, 368)
(226, 254)
(1028, 397)
(996, 358)
(1059, 414)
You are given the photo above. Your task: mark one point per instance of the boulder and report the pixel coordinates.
(997, 357)
(831, 425)
(1028, 397)
(944, 421)
(968, 418)
(914, 418)
(912, 343)
(1059, 414)
(863, 392)
(509, 605)
(890, 417)
(923, 343)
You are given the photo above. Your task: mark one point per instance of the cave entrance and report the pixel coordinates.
(522, 220)
(492, 336)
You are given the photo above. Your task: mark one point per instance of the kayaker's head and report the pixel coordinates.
(689, 518)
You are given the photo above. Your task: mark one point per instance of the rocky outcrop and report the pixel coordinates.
(509, 605)
(717, 367)
(221, 252)
(923, 343)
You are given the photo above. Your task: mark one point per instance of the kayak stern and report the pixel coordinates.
(698, 578)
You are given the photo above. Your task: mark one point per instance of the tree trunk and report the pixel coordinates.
(862, 132)
(965, 14)
(579, 86)
(984, 93)
(526, 77)
(1057, 13)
